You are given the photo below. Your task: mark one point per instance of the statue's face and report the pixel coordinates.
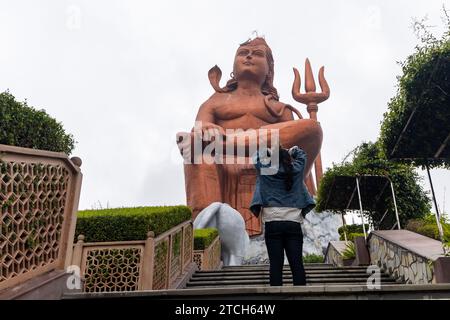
(251, 61)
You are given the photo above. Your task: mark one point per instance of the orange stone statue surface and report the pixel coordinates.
(250, 101)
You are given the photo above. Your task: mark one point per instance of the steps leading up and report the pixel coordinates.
(252, 283)
(310, 292)
(258, 275)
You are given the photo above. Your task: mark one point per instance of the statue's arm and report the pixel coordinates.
(288, 112)
(287, 115)
(206, 114)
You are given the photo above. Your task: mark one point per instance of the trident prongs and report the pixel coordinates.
(311, 97)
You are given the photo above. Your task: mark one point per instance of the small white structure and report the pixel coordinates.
(231, 226)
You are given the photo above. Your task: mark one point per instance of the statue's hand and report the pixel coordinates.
(311, 96)
(209, 131)
(184, 143)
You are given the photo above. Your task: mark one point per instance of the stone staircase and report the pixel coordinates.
(251, 282)
(258, 276)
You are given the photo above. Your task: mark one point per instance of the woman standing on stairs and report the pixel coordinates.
(283, 200)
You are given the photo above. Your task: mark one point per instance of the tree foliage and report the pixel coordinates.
(24, 126)
(412, 201)
(423, 100)
(427, 226)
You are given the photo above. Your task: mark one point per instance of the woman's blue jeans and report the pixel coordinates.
(286, 236)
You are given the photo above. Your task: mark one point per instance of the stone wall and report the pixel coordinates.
(333, 256)
(400, 262)
(318, 230)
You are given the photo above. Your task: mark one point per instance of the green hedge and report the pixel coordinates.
(351, 236)
(204, 237)
(354, 229)
(24, 126)
(427, 227)
(313, 258)
(125, 224)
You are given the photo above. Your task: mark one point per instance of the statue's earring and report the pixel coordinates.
(232, 75)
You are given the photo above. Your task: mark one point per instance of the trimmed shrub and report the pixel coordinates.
(313, 258)
(204, 237)
(355, 229)
(427, 227)
(351, 236)
(126, 224)
(24, 126)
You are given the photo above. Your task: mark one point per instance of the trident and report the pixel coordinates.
(311, 98)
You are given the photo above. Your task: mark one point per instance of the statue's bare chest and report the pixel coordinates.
(243, 113)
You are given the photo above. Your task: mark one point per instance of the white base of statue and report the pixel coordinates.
(234, 239)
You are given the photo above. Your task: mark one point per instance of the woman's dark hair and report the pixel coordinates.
(286, 162)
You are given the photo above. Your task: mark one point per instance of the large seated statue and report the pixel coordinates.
(248, 101)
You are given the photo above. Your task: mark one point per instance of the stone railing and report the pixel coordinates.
(153, 264)
(209, 258)
(39, 194)
(409, 256)
(334, 254)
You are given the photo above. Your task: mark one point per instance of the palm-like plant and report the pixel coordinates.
(350, 251)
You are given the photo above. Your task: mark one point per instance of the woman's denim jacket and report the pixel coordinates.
(270, 190)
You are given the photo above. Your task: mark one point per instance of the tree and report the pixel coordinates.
(416, 127)
(24, 126)
(412, 201)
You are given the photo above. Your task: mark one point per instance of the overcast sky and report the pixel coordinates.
(125, 76)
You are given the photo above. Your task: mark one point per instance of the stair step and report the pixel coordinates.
(264, 272)
(243, 272)
(258, 275)
(322, 291)
(286, 276)
(238, 286)
(266, 281)
(307, 267)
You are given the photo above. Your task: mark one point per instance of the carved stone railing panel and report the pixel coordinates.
(153, 264)
(210, 257)
(112, 269)
(160, 276)
(188, 244)
(198, 258)
(175, 256)
(39, 192)
(215, 254)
